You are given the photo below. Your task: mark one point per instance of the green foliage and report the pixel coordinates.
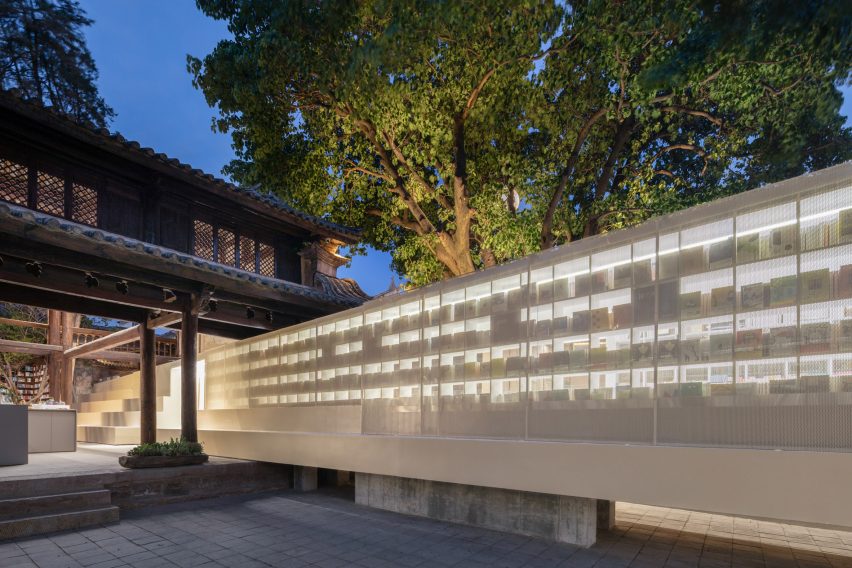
(174, 447)
(459, 135)
(43, 55)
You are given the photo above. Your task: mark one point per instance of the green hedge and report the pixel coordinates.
(174, 447)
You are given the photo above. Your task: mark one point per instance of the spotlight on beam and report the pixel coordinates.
(168, 296)
(91, 280)
(268, 316)
(213, 305)
(34, 268)
(122, 287)
(249, 313)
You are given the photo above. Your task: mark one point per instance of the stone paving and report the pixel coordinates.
(326, 530)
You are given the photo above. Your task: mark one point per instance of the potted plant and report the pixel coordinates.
(175, 452)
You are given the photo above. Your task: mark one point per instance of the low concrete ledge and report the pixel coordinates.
(572, 520)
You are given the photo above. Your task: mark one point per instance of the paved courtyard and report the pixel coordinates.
(323, 529)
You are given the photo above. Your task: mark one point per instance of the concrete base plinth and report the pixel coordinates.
(556, 517)
(304, 478)
(606, 514)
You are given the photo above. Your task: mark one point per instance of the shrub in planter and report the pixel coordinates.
(175, 452)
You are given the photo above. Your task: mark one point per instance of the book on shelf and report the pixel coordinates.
(599, 319)
(560, 324)
(690, 351)
(667, 265)
(600, 281)
(748, 248)
(753, 296)
(844, 226)
(782, 341)
(721, 254)
(815, 338)
(722, 300)
(782, 291)
(644, 304)
(580, 321)
(668, 350)
(843, 285)
(622, 276)
(643, 272)
(669, 300)
(561, 289)
(816, 236)
(622, 316)
(691, 260)
(816, 286)
(844, 335)
(815, 383)
(750, 344)
(597, 357)
(642, 353)
(720, 346)
(722, 389)
(690, 305)
(782, 241)
(582, 285)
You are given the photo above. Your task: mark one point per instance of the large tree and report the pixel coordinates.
(463, 134)
(43, 55)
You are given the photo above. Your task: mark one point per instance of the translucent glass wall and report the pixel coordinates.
(726, 325)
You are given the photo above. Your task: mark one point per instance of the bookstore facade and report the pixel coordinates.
(653, 365)
(729, 324)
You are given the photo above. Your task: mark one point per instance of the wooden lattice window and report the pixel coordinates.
(13, 182)
(51, 194)
(267, 260)
(85, 204)
(203, 243)
(227, 248)
(247, 256)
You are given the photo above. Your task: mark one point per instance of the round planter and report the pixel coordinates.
(136, 462)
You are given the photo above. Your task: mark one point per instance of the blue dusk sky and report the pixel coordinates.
(140, 47)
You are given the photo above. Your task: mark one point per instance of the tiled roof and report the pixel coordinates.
(341, 287)
(118, 144)
(34, 223)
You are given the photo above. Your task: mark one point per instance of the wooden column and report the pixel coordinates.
(189, 344)
(54, 360)
(69, 322)
(147, 384)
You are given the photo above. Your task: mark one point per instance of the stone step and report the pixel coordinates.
(108, 405)
(114, 394)
(50, 504)
(114, 435)
(126, 418)
(28, 526)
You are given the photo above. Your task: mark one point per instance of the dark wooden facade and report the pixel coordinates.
(53, 166)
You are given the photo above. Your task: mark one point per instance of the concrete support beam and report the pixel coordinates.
(554, 517)
(304, 478)
(606, 514)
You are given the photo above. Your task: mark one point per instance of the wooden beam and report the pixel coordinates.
(123, 356)
(22, 323)
(189, 355)
(54, 360)
(69, 322)
(107, 342)
(59, 301)
(164, 320)
(69, 281)
(11, 346)
(147, 386)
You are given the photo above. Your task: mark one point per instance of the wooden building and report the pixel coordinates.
(93, 223)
